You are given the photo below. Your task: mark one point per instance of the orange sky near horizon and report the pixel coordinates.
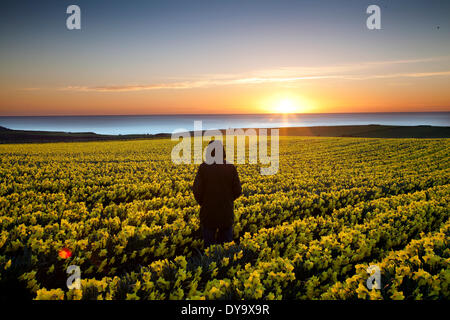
(305, 96)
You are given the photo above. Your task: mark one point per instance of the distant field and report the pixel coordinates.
(361, 131)
(128, 215)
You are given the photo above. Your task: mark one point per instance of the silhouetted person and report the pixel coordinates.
(216, 186)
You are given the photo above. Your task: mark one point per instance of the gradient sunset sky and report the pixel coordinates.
(164, 57)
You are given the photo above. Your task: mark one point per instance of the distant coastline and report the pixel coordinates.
(156, 124)
(360, 131)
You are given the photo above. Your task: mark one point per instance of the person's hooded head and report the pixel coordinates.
(215, 152)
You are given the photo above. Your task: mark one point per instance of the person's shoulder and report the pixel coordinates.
(202, 166)
(230, 165)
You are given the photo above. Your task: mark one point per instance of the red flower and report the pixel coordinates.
(65, 253)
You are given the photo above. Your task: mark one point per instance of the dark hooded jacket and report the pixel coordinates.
(216, 186)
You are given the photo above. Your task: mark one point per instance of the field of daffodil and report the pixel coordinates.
(128, 218)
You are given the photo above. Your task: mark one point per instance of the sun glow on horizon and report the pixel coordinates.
(286, 106)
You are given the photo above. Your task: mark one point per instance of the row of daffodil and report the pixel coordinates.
(281, 263)
(121, 205)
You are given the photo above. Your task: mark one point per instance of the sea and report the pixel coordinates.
(153, 124)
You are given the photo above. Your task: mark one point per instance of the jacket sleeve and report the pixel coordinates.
(237, 189)
(198, 186)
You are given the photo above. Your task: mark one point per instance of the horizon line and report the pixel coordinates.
(215, 114)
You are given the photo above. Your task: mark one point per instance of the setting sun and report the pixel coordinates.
(286, 106)
(286, 103)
